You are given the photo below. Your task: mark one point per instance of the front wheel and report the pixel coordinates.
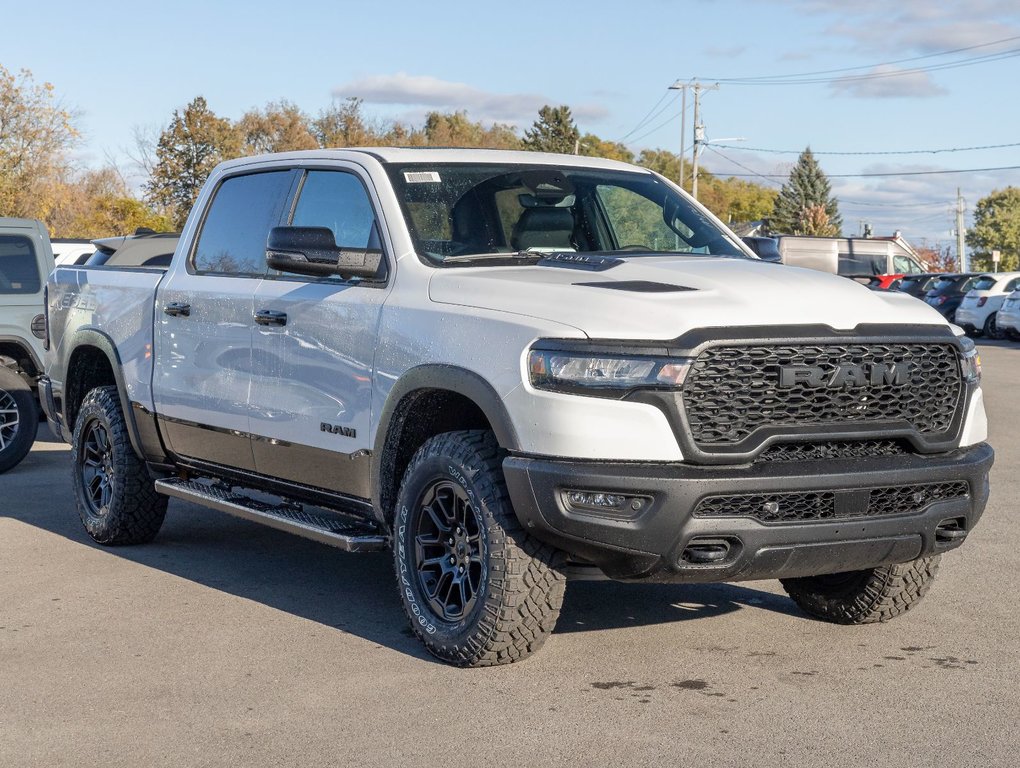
(19, 419)
(477, 589)
(117, 500)
(864, 597)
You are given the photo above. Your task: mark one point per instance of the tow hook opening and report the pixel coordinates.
(710, 551)
(951, 530)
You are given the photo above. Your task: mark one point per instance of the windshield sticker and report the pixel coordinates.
(421, 177)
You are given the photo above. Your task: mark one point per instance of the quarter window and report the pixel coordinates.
(245, 208)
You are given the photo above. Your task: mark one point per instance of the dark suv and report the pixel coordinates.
(948, 291)
(919, 285)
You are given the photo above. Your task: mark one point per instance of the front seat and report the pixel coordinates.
(545, 227)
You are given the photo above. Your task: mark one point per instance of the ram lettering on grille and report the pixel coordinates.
(732, 391)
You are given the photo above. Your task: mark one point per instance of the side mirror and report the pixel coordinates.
(313, 251)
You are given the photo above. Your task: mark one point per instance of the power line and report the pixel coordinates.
(872, 66)
(1013, 52)
(649, 117)
(650, 131)
(890, 173)
(884, 152)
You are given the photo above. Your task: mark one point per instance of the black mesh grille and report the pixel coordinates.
(830, 505)
(833, 449)
(732, 391)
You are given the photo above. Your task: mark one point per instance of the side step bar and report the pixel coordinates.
(320, 525)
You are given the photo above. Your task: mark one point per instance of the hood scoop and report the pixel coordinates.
(638, 286)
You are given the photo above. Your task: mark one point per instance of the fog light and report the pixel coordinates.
(770, 507)
(606, 502)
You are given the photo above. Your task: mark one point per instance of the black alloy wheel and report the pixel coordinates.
(10, 418)
(96, 468)
(449, 555)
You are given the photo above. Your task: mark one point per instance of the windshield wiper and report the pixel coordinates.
(515, 257)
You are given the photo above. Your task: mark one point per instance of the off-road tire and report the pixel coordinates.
(519, 600)
(864, 597)
(16, 440)
(134, 511)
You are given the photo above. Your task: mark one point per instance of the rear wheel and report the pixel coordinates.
(19, 419)
(991, 329)
(864, 597)
(117, 500)
(477, 589)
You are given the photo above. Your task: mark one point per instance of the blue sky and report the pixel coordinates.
(127, 66)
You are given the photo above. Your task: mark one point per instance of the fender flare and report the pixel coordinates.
(450, 378)
(91, 337)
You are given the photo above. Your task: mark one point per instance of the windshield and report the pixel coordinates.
(456, 210)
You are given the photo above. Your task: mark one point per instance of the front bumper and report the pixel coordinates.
(657, 541)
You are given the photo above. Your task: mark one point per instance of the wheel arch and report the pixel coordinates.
(426, 401)
(93, 361)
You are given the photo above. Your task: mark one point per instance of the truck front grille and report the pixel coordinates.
(833, 449)
(805, 506)
(733, 392)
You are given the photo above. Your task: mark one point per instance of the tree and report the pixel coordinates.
(456, 130)
(662, 161)
(36, 137)
(796, 209)
(997, 228)
(191, 146)
(99, 204)
(593, 146)
(343, 125)
(735, 200)
(554, 131)
(278, 127)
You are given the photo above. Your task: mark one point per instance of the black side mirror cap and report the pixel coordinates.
(313, 251)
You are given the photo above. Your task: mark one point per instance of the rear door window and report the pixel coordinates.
(19, 269)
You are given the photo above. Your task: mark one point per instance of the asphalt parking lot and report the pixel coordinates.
(226, 643)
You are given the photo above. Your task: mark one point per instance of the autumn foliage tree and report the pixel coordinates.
(553, 131)
(191, 146)
(37, 135)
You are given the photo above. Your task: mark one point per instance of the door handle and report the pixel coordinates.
(177, 309)
(270, 317)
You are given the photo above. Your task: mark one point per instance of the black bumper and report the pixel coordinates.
(664, 540)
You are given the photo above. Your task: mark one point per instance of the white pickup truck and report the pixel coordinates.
(509, 367)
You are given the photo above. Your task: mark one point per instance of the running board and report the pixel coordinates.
(319, 525)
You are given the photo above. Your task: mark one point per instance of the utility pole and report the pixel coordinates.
(960, 251)
(682, 87)
(699, 131)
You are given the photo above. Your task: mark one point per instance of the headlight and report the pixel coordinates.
(971, 361)
(601, 374)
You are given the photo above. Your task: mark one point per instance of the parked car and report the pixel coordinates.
(919, 285)
(976, 313)
(883, 282)
(145, 248)
(508, 366)
(948, 291)
(69, 251)
(1007, 319)
(25, 261)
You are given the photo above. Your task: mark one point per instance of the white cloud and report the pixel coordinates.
(887, 82)
(407, 90)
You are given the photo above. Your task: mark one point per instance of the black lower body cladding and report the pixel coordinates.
(687, 523)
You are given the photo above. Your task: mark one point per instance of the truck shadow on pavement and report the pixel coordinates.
(353, 593)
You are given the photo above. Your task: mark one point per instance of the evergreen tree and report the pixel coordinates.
(194, 143)
(554, 131)
(805, 205)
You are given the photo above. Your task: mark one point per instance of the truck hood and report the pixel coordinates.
(662, 297)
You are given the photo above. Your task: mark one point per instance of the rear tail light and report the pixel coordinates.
(940, 299)
(982, 301)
